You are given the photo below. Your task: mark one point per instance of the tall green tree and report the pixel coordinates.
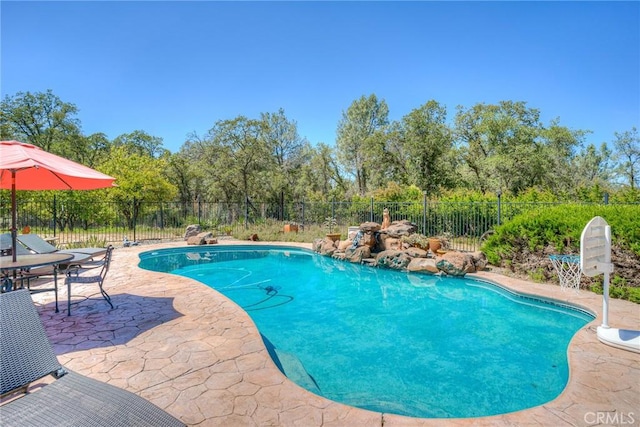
(238, 156)
(140, 142)
(40, 118)
(140, 179)
(320, 177)
(627, 145)
(591, 166)
(427, 144)
(561, 165)
(287, 152)
(500, 146)
(358, 137)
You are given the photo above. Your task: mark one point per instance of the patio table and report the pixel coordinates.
(24, 262)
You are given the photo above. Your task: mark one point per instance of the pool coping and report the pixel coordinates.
(165, 354)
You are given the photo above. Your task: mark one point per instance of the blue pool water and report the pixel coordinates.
(409, 344)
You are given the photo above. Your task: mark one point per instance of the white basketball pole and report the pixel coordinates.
(605, 279)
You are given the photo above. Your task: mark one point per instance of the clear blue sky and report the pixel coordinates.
(171, 68)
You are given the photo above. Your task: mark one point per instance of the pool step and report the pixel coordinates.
(294, 370)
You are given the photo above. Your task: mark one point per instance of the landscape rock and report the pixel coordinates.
(327, 247)
(344, 245)
(369, 227)
(368, 239)
(201, 238)
(423, 265)
(390, 243)
(414, 252)
(401, 228)
(396, 260)
(358, 254)
(192, 230)
(479, 260)
(456, 264)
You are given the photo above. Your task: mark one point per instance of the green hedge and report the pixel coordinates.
(533, 235)
(561, 227)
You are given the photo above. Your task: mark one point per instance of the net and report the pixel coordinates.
(568, 269)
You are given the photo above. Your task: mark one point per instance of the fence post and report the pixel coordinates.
(302, 222)
(424, 213)
(499, 193)
(133, 212)
(246, 212)
(605, 198)
(333, 207)
(55, 215)
(371, 216)
(199, 210)
(282, 218)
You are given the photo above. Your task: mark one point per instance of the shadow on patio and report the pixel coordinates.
(94, 324)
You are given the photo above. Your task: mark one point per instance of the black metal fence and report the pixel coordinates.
(463, 223)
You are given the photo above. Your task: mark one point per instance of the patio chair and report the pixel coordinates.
(40, 246)
(89, 272)
(71, 399)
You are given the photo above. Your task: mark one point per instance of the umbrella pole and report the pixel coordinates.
(14, 217)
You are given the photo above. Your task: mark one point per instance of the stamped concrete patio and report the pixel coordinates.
(196, 354)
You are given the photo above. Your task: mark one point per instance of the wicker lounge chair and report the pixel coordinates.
(70, 400)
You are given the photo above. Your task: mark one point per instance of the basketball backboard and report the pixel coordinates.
(595, 248)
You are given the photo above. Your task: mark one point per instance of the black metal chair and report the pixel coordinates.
(89, 272)
(71, 399)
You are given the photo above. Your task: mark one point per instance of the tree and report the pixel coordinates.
(591, 166)
(426, 145)
(627, 145)
(286, 149)
(320, 177)
(140, 179)
(40, 119)
(501, 146)
(89, 150)
(356, 136)
(238, 156)
(560, 166)
(140, 142)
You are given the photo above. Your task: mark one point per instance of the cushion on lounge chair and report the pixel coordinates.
(36, 243)
(5, 245)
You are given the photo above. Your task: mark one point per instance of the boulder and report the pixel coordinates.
(200, 239)
(423, 265)
(369, 227)
(191, 231)
(401, 228)
(344, 245)
(390, 243)
(328, 247)
(368, 239)
(479, 260)
(358, 254)
(415, 252)
(456, 264)
(396, 260)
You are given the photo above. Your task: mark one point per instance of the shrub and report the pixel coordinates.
(525, 242)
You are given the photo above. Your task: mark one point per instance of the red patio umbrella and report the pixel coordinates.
(27, 167)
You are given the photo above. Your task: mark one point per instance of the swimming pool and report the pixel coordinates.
(388, 341)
